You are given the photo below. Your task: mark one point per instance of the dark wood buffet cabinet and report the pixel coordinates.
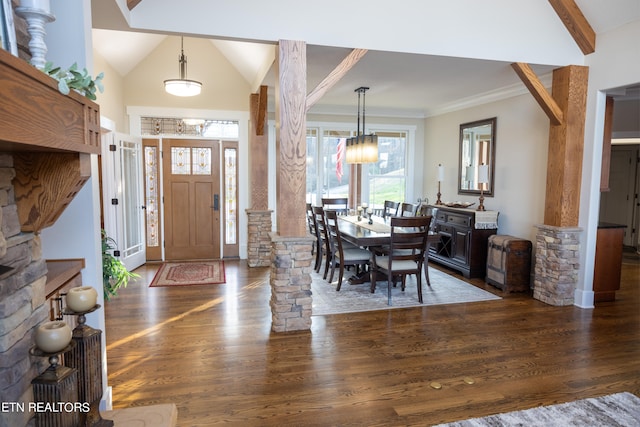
(462, 245)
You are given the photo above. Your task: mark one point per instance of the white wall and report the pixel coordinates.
(522, 134)
(76, 234)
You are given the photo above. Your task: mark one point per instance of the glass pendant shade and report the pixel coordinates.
(362, 148)
(369, 149)
(182, 86)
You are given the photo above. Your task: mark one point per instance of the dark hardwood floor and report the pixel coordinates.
(210, 350)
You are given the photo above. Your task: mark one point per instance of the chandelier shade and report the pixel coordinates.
(182, 86)
(362, 148)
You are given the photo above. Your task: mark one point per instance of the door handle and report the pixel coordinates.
(216, 202)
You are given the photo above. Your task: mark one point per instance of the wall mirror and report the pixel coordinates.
(477, 157)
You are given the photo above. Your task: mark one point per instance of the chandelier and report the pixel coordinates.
(362, 148)
(182, 86)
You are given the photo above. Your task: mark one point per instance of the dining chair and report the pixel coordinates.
(432, 238)
(406, 255)
(339, 204)
(408, 209)
(325, 245)
(313, 230)
(390, 209)
(343, 256)
(423, 210)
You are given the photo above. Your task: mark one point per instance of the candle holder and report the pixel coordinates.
(440, 179)
(87, 359)
(56, 384)
(55, 369)
(483, 178)
(36, 19)
(481, 199)
(439, 202)
(370, 214)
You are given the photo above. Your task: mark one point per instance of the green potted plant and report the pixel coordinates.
(114, 273)
(72, 78)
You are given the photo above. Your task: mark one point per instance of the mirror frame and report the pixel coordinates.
(490, 156)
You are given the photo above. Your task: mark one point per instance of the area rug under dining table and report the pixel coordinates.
(445, 289)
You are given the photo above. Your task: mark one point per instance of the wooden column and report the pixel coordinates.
(291, 129)
(258, 150)
(566, 146)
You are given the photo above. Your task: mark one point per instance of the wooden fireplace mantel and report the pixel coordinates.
(51, 137)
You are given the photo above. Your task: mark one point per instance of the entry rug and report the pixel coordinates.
(445, 289)
(620, 409)
(189, 273)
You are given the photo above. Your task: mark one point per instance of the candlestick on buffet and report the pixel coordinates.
(440, 179)
(483, 178)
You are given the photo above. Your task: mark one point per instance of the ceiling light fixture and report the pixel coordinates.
(182, 86)
(362, 148)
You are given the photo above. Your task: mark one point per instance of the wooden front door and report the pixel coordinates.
(191, 199)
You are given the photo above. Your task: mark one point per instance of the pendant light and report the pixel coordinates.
(362, 148)
(182, 86)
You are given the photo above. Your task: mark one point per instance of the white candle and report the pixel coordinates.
(36, 4)
(52, 337)
(82, 298)
(483, 173)
(440, 173)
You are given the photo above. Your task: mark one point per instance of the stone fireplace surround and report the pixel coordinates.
(22, 302)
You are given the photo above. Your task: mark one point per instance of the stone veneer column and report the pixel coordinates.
(557, 264)
(290, 281)
(259, 239)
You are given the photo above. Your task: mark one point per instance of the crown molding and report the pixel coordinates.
(505, 92)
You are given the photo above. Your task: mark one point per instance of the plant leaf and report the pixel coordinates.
(63, 87)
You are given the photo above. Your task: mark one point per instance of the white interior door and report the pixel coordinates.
(123, 197)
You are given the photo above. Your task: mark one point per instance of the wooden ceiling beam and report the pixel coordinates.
(576, 23)
(262, 110)
(539, 92)
(259, 109)
(347, 63)
(132, 3)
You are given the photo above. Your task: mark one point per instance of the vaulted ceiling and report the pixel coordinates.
(401, 83)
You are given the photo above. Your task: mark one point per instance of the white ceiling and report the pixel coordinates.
(406, 84)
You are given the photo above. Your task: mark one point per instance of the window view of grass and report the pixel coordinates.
(385, 179)
(386, 188)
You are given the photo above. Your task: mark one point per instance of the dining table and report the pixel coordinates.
(361, 233)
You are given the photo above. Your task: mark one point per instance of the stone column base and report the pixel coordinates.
(290, 281)
(557, 264)
(258, 239)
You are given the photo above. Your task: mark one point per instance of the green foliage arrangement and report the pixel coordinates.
(72, 78)
(114, 273)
